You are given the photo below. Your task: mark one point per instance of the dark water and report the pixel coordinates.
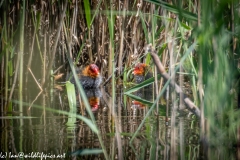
(40, 133)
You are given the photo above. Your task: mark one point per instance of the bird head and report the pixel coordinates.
(91, 70)
(139, 69)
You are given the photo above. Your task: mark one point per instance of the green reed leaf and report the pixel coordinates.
(144, 101)
(84, 119)
(87, 12)
(144, 27)
(87, 151)
(141, 85)
(174, 9)
(72, 103)
(71, 94)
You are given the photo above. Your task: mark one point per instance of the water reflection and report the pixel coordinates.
(93, 96)
(54, 133)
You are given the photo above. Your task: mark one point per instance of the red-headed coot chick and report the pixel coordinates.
(89, 77)
(141, 72)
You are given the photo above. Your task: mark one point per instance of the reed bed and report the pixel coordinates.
(45, 39)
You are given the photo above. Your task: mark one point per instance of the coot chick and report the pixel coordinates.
(141, 72)
(89, 77)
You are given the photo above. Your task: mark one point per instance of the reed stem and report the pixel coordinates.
(21, 51)
(56, 39)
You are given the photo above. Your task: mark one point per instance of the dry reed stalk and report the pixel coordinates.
(122, 32)
(4, 77)
(57, 38)
(190, 105)
(174, 129)
(39, 86)
(35, 100)
(31, 51)
(44, 59)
